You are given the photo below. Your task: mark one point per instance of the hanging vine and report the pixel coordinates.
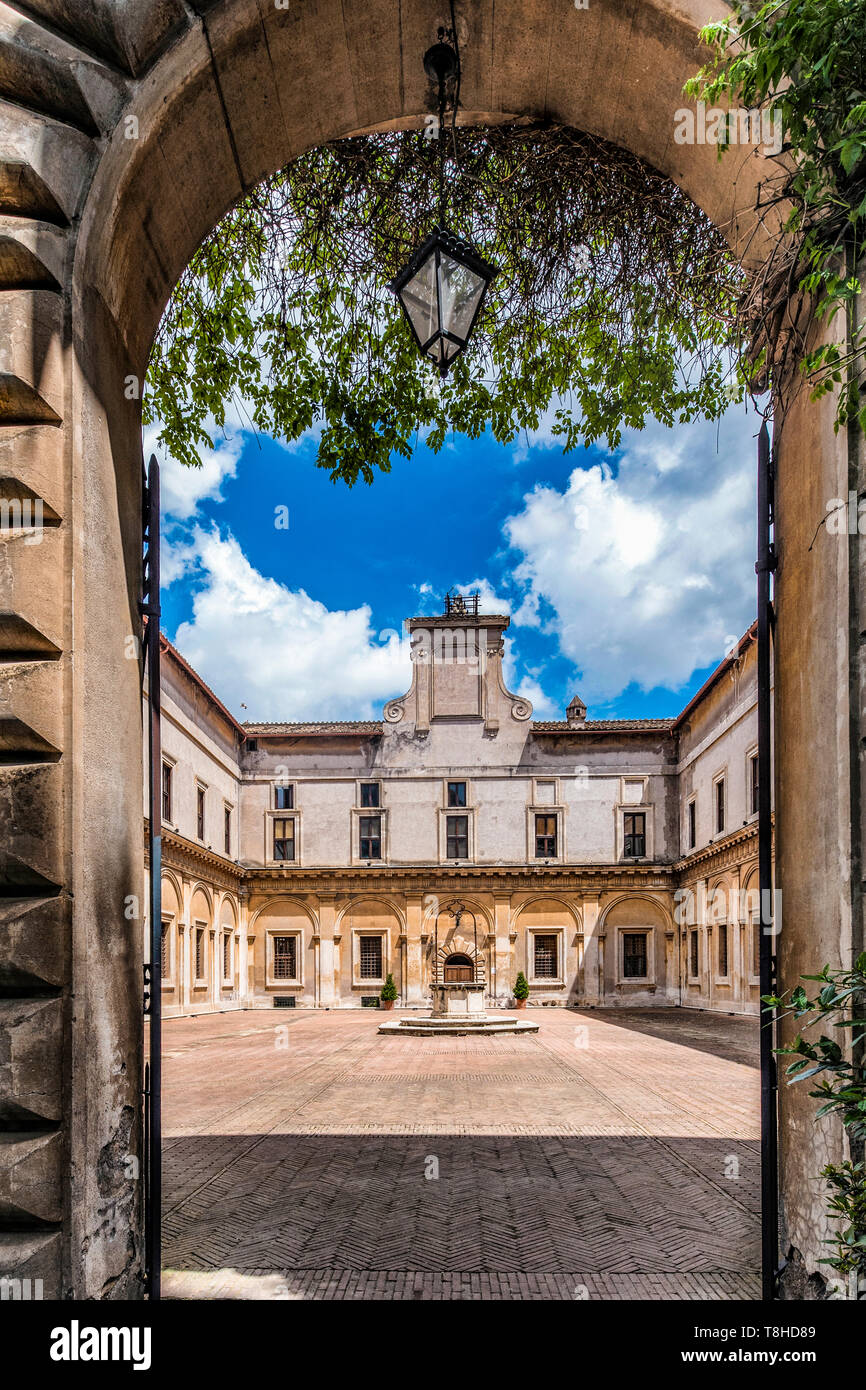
(803, 64)
(616, 300)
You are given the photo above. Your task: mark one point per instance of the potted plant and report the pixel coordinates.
(388, 994)
(521, 991)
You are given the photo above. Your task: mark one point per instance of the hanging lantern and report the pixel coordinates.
(441, 292)
(442, 289)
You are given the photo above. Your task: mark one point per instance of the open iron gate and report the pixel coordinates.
(152, 1119)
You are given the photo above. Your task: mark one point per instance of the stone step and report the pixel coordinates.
(450, 1027)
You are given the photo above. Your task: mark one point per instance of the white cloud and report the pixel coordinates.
(183, 489)
(289, 657)
(648, 571)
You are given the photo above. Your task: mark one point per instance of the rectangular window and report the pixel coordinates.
(369, 793)
(199, 812)
(694, 955)
(370, 957)
(284, 798)
(227, 830)
(456, 793)
(164, 961)
(723, 949)
(227, 956)
(199, 953)
(720, 805)
(370, 830)
(545, 957)
(545, 837)
(753, 784)
(457, 837)
(166, 791)
(285, 957)
(635, 835)
(284, 840)
(693, 829)
(756, 948)
(634, 955)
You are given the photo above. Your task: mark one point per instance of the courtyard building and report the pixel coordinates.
(612, 861)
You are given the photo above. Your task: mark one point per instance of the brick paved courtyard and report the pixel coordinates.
(612, 1155)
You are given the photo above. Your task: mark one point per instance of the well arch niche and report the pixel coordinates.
(175, 110)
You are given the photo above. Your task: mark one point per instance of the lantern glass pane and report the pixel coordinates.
(460, 293)
(419, 300)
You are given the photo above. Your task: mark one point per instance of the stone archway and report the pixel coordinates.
(131, 129)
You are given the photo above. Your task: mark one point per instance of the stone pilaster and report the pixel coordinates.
(593, 985)
(413, 992)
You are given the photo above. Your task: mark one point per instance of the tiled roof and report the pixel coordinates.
(168, 646)
(327, 726)
(619, 726)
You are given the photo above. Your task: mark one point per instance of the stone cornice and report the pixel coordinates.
(728, 853)
(196, 860)
(492, 878)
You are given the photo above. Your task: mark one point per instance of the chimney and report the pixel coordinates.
(576, 713)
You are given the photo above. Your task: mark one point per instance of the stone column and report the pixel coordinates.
(593, 985)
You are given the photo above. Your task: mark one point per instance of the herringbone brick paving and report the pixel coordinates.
(610, 1156)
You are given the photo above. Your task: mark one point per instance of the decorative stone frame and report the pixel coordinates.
(270, 981)
(470, 813)
(369, 781)
(721, 775)
(355, 834)
(197, 981)
(272, 795)
(227, 980)
(169, 980)
(546, 981)
(693, 979)
(270, 816)
(168, 760)
(750, 816)
(234, 830)
(688, 846)
(729, 927)
(367, 982)
(647, 981)
(558, 809)
(201, 786)
(470, 802)
(552, 781)
(641, 808)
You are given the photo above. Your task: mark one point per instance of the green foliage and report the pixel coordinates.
(614, 301)
(839, 1003)
(847, 1183)
(389, 989)
(804, 62)
(521, 986)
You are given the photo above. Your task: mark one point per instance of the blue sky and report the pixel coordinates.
(627, 575)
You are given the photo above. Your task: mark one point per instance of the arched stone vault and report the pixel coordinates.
(127, 127)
